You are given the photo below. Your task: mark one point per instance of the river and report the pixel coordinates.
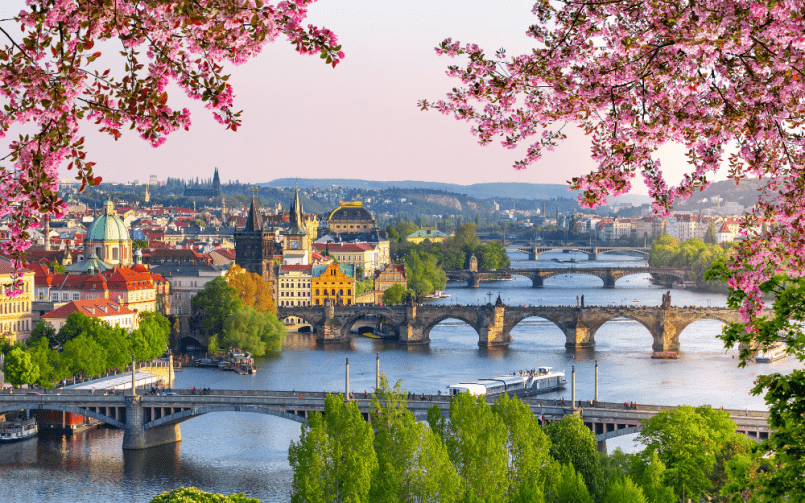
(238, 452)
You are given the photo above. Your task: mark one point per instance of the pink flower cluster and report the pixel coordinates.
(47, 78)
(707, 75)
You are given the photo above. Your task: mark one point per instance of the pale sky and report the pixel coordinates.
(305, 119)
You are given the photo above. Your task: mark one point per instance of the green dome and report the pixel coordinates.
(108, 227)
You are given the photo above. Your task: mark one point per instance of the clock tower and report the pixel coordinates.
(295, 249)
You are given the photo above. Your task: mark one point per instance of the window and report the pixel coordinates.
(64, 296)
(76, 296)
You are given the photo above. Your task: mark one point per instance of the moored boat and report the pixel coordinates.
(438, 294)
(15, 431)
(773, 352)
(520, 383)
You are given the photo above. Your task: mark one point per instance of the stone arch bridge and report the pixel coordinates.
(149, 421)
(609, 275)
(494, 323)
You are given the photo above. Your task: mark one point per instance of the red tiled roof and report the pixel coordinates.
(226, 253)
(94, 308)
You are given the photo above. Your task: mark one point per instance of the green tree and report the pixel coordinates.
(213, 347)
(213, 304)
(253, 331)
(19, 369)
(334, 459)
(531, 467)
(689, 442)
(648, 471)
(413, 463)
(623, 490)
(151, 338)
(194, 495)
(43, 330)
(476, 439)
(571, 488)
(395, 294)
(710, 235)
(117, 346)
(573, 443)
(48, 361)
(364, 286)
(424, 275)
(139, 244)
(83, 355)
(78, 323)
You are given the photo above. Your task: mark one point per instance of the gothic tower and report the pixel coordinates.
(254, 245)
(216, 184)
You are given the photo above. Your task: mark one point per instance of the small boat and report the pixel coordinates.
(773, 352)
(520, 383)
(438, 294)
(371, 335)
(15, 431)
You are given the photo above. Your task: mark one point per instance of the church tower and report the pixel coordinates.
(216, 184)
(254, 245)
(296, 242)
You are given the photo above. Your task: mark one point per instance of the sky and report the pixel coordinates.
(302, 118)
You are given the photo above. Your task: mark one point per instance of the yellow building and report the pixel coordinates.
(15, 313)
(334, 282)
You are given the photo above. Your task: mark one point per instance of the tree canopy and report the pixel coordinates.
(52, 85)
(424, 275)
(253, 331)
(252, 289)
(213, 304)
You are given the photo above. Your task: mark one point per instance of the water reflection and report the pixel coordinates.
(160, 461)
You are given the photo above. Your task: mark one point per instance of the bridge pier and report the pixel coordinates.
(412, 332)
(491, 329)
(536, 280)
(578, 336)
(136, 437)
(609, 279)
(474, 280)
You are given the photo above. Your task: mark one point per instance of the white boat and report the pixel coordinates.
(14, 431)
(521, 383)
(438, 294)
(771, 353)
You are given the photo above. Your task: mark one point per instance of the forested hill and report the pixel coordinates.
(477, 190)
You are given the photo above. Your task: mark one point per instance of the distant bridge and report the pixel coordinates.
(494, 323)
(538, 275)
(149, 421)
(592, 251)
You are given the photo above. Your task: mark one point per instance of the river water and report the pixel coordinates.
(239, 452)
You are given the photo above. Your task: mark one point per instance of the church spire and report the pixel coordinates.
(296, 227)
(254, 222)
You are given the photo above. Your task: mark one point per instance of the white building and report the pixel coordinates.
(111, 312)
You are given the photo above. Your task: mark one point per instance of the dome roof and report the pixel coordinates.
(108, 227)
(351, 211)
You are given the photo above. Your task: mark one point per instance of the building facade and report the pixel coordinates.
(107, 310)
(15, 312)
(335, 282)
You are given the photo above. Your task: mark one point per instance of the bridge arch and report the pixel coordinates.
(388, 314)
(554, 328)
(63, 408)
(179, 417)
(644, 321)
(446, 316)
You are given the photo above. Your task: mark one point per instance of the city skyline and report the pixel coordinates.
(359, 120)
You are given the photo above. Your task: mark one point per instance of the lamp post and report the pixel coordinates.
(133, 378)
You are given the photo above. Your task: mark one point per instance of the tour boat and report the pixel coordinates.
(773, 352)
(438, 294)
(521, 383)
(14, 431)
